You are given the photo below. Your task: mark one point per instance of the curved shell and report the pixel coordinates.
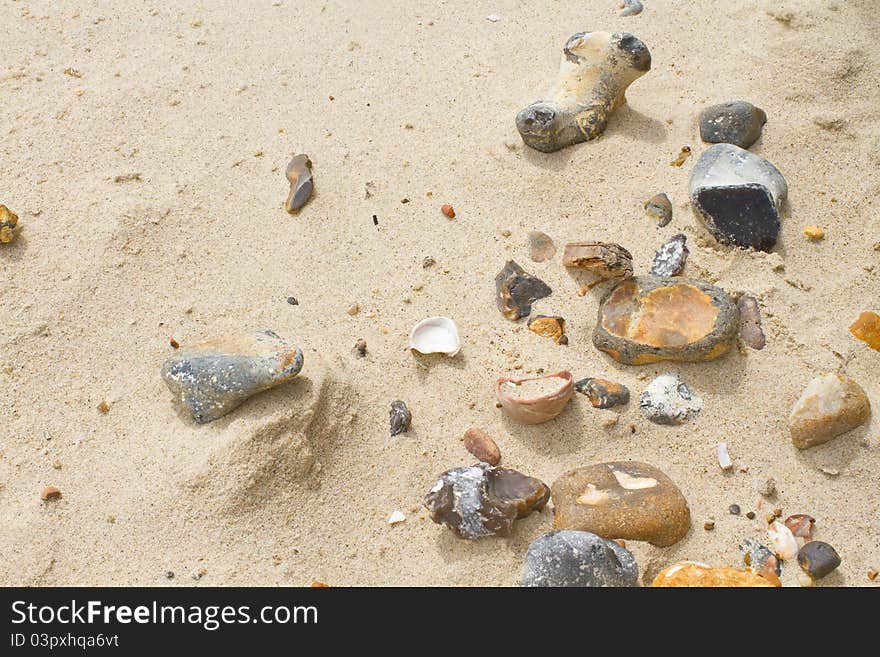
(435, 335)
(538, 409)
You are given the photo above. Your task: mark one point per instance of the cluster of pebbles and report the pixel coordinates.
(657, 316)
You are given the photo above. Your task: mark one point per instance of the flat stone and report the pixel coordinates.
(738, 196)
(482, 500)
(818, 559)
(541, 246)
(669, 259)
(516, 291)
(299, 174)
(867, 329)
(624, 499)
(574, 558)
(750, 330)
(736, 122)
(669, 401)
(692, 574)
(216, 376)
(603, 393)
(648, 319)
(830, 405)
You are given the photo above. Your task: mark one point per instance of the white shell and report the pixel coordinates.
(782, 540)
(435, 335)
(724, 461)
(396, 517)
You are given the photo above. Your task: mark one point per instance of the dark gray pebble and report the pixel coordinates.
(400, 416)
(736, 122)
(574, 558)
(818, 559)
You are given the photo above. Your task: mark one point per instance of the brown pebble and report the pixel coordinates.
(50, 493)
(448, 210)
(104, 407)
(708, 525)
(480, 444)
(750, 515)
(174, 343)
(872, 574)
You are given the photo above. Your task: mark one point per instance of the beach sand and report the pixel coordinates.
(207, 101)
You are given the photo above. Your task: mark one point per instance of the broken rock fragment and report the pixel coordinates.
(482, 500)
(625, 499)
(669, 401)
(648, 319)
(216, 376)
(574, 558)
(541, 246)
(549, 327)
(669, 259)
(516, 291)
(603, 393)
(400, 418)
(603, 259)
(737, 122)
(750, 322)
(867, 329)
(693, 574)
(299, 174)
(8, 224)
(659, 208)
(830, 405)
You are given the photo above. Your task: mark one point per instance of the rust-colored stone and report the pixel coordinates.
(652, 318)
(480, 444)
(50, 493)
(8, 223)
(693, 574)
(867, 329)
(548, 327)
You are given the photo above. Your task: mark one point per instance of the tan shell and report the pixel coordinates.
(538, 409)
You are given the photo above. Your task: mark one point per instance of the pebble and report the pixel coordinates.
(549, 326)
(104, 407)
(669, 401)
(737, 122)
(8, 225)
(595, 71)
(814, 232)
(216, 376)
(541, 246)
(536, 399)
(480, 444)
(782, 540)
(50, 493)
(669, 259)
(428, 262)
(299, 173)
(768, 488)
(516, 291)
(353, 309)
(692, 574)
(360, 348)
(738, 195)
(659, 208)
(723, 455)
(448, 210)
(709, 525)
(482, 500)
(566, 558)
(603, 393)
(628, 500)
(750, 330)
(818, 559)
(761, 559)
(648, 319)
(400, 418)
(867, 329)
(396, 517)
(830, 405)
(801, 526)
(734, 509)
(631, 7)
(292, 301)
(604, 259)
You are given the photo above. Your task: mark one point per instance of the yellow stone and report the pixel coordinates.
(867, 329)
(814, 232)
(693, 574)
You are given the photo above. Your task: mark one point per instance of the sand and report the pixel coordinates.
(406, 100)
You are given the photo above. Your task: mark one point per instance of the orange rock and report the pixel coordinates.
(448, 210)
(693, 574)
(548, 327)
(814, 232)
(867, 329)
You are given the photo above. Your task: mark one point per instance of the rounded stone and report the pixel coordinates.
(693, 574)
(628, 500)
(648, 319)
(573, 558)
(735, 122)
(829, 406)
(818, 559)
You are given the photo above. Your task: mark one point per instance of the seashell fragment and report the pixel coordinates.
(670, 258)
(541, 246)
(216, 376)
(8, 223)
(435, 335)
(537, 399)
(482, 500)
(299, 173)
(659, 208)
(724, 461)
(594, 73)
(400, 418)
(516, 291)
(549, 327)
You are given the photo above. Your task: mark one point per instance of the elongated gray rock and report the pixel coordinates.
(736, 122)
(574, 558)
(214, 377)
(738, 196)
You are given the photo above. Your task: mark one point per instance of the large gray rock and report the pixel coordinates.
(738, 195)
(575, 558)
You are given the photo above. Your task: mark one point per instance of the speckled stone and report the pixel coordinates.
(669, 401)
(574, 558)
(648, 319)
(670, 258)
(214, 377)
(623, 499)
(735, 122)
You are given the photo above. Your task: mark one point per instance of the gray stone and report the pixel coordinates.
(216, 376)
(818, 559)
(737, 122)
(738, 195)
(299, 174)
(669, 259)
(575, 558)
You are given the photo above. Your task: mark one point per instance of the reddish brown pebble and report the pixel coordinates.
(801, 525)
(708, 525)
(50, 493)
(448, 210)
(104, 407)
(872, 574)
(174, 343)
(480, 444)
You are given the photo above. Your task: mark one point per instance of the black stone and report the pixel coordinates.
(742, 215)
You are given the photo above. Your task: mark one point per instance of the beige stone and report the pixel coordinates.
(830, 405)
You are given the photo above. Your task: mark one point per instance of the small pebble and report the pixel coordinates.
(659, 208)
(867, 329)
(709, 525)
(448, 210)
(737, 122)
(670, 258)
(603, 393)
(428, 262)
(360, 348)
(400, 418)
(299, 174)
(750, 330)
(734, 509)
(169, 574)
(174, 344)
(353, 309)
(541, 246)
(50, 493)
(768, 489)
(104, 407)
(829, 406)
(669, 401)
(396, 517)
(292, 301)
(8, 225)
(872, 574)
(480, 444)
(750, 515)
(814, 232)
(818, 559)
